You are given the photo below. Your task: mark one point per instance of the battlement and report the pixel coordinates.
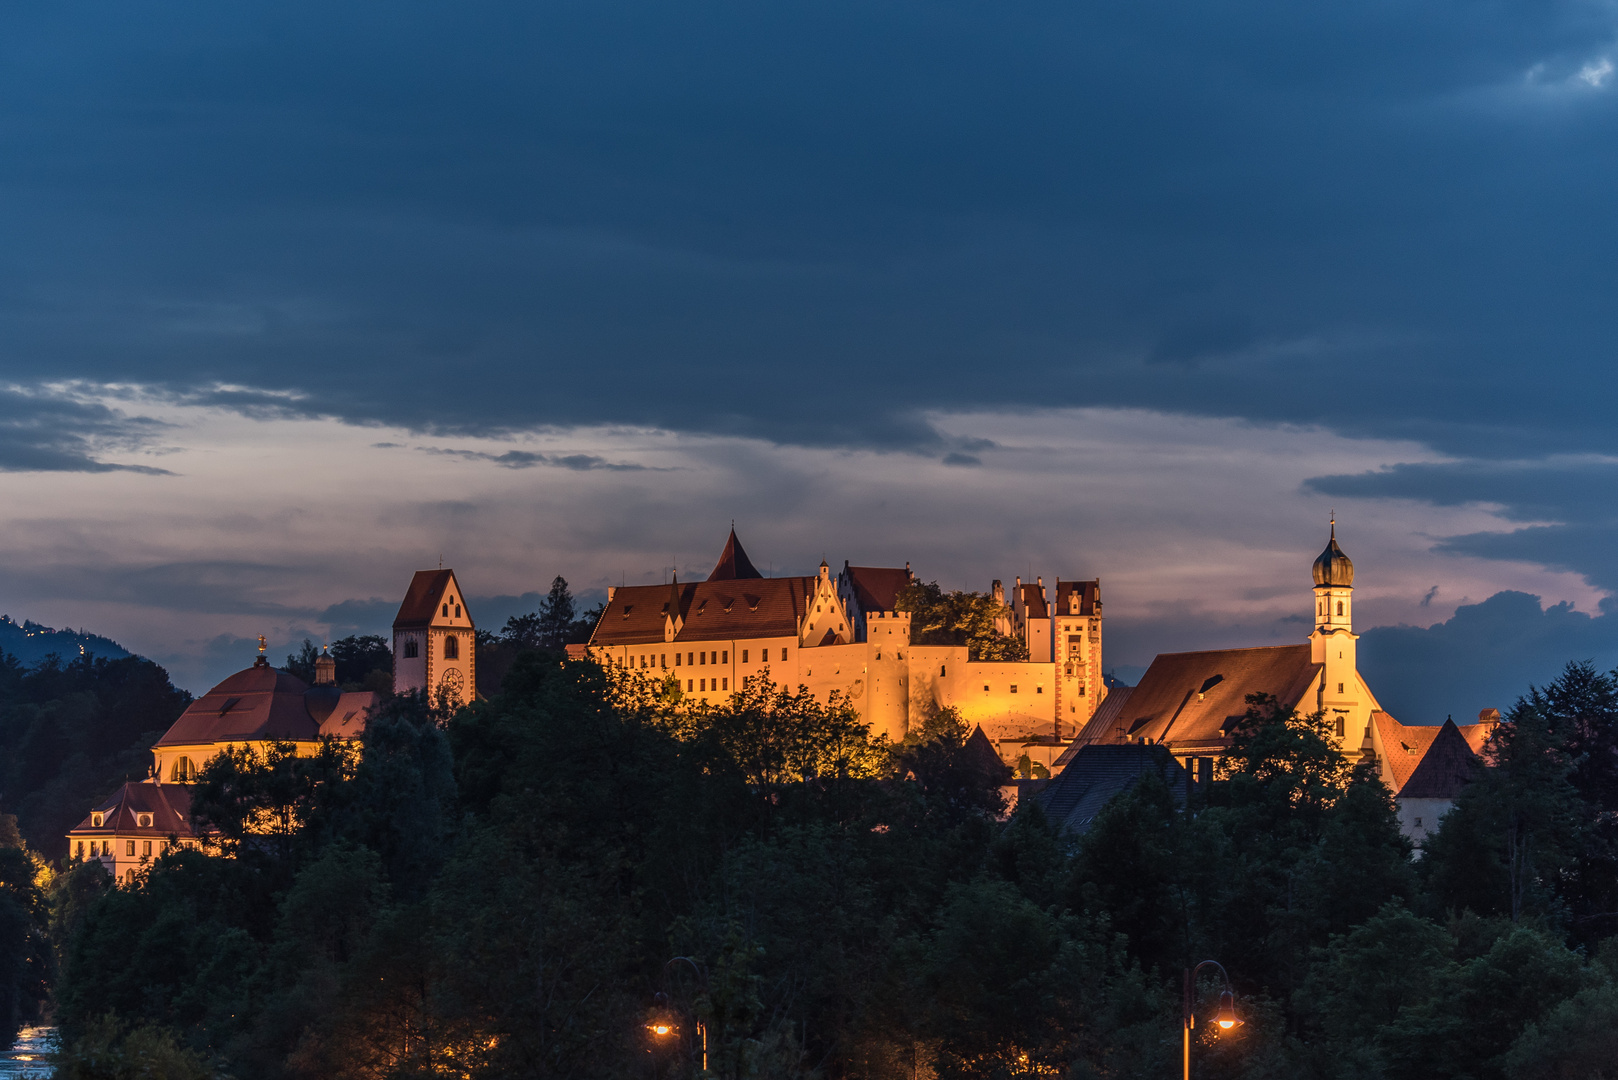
(905, 615)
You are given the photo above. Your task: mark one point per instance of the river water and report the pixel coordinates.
(30, 1056)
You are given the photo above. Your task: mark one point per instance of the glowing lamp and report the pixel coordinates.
(1226, 1016)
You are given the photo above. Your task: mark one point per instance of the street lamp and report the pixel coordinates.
(1226, 1017)
(663, 1026)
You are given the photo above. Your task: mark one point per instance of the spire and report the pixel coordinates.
(733, 562)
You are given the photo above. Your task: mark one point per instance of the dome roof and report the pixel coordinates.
(1333, 567)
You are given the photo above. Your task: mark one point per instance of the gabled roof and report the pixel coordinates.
(169, 805)
(1403, 745)
(1191, 700)
(1445, 768)
(876, 588)
(733, 562)
(1104, 720)
(1033, 601)
(1078, 597)
(421, 600)
(1098, 774)
(711, 610)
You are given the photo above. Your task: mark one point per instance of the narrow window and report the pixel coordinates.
(688, 659)
(783, 655)
(727, 684)
(688, 686)
(1339, 607)
(940, 671)
(146, 849)
(80, 853)
(1340, 731)
(744, 656)
(724, 656)
(703, 686)
(410, 649)
(663, 659)
(676, 659)
(452, 648)
(1339, 688)
(1013, 688)
(129, 847)
(1081, 691)
(446, 611)
(457, 611)
(702, 658)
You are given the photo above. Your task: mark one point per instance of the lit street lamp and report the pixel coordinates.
(1226, 1017)
(663, 1026)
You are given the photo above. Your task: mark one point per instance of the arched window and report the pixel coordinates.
(410, 649)
(1339, 607)
(452, 647)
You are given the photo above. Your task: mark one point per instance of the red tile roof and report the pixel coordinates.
(733, 562)
(421, 599)
(255, 703)
(1403, 745)
(1104, 720)
(711, 610)
(1445, 768)
(169, 805)
(876, 588)
(1033, 601)
(1189, 700)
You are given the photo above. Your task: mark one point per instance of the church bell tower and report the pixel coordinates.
(1332, 644)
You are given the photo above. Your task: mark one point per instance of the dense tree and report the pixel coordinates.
(72, 732)
(25, 956)
(959, 618)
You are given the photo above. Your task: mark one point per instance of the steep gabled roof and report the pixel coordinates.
(1098, 774)
(1403, 745)
(1033, 601)
(421, 600)
(1446, 767)
(711, 610)
(876, 588)
(733, 562)
(1190, 700)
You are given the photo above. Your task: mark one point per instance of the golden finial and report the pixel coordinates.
(262, 645)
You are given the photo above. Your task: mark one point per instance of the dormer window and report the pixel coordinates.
(143, 821)
(96, 820)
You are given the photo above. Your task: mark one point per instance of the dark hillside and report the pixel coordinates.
(71, 732)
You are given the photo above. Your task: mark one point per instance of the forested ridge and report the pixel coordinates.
(500, 890)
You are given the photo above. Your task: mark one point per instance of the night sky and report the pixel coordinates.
(296, 299)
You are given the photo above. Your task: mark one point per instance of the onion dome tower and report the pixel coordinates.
(1344, 700)
(1334, 587)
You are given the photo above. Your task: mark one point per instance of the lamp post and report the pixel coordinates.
(663, 1027)
(1226, 1016)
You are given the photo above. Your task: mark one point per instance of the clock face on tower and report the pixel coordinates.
(453, 684)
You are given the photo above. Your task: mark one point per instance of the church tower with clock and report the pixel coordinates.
(434, 639)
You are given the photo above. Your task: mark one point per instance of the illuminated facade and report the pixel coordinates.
(843, 633)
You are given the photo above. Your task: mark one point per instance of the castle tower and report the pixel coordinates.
(1333, 642)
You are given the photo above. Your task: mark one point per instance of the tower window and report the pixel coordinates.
(1339, 607)
(1339, 688)
(410, 649)
(446, 611)
(452, 647)
(1340, 731)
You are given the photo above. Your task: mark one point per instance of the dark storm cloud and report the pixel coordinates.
(807, 222)
(526, 459)
(45, 431)
(1573, 506)
(1484, 657)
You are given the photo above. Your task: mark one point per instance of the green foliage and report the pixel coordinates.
(25, 954)
(958, 618)
(363, 662)
(497, 891)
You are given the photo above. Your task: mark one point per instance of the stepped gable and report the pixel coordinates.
(1191, 700)
(169, 805)
(876, 588)
(257, 703)
(1078, 597)
(1403, 745)
(1097, 774)
(733, 564)
(1095, 730)
(421, 599)
(709, 610)
(1445, 769)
